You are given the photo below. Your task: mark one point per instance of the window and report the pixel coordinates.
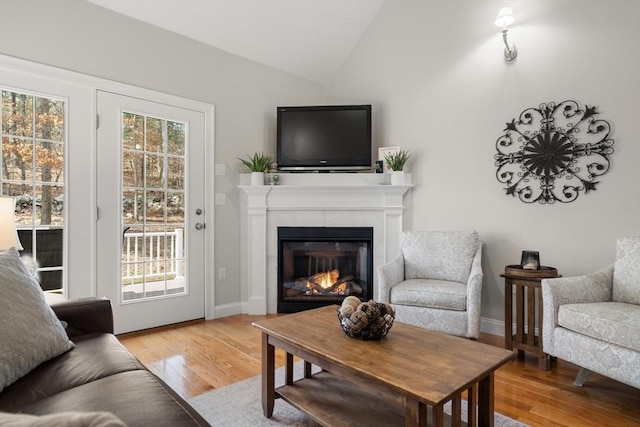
(153, 196)
(33, 171)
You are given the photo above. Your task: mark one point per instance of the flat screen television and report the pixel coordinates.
(324, 138)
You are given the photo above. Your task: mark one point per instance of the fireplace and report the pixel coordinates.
(322, 265)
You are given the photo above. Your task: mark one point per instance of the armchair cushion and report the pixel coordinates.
(626, 275)
(439, 255)
(612, 322)
(430, 293)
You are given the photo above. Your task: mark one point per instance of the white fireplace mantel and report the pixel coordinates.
(342, 202)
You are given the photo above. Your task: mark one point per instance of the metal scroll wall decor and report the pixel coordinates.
(553, 153)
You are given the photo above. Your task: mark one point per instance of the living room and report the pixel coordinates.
(439, 86)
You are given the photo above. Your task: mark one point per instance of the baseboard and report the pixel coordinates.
(496, 327)
(492, 326)
(227, 310)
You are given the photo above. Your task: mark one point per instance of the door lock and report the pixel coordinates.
(199, 211)
(200, 226)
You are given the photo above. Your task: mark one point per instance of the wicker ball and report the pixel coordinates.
(351, 301)
(369, 322)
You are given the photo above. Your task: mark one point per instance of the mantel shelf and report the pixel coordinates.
(325, 197)
(267, 188)
(331, 180)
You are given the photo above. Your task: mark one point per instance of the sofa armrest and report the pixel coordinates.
(85, 315)
(390, 275)
(594, 287)
(474, 294)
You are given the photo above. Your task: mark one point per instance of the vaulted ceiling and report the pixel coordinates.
(307, 38)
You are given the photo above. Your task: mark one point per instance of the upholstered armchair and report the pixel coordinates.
(593, 320)
(436, 281)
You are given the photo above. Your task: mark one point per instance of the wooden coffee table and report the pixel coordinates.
(404, 379)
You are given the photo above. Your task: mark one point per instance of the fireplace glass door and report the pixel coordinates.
(322, 265)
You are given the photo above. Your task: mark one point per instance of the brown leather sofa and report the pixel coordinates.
(99, 374)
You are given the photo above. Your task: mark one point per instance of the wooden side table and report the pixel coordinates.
(528, 302)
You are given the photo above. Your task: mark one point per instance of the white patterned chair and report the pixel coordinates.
(436, 281)
(593, 321)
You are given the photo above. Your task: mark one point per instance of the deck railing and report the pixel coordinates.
(152, 254)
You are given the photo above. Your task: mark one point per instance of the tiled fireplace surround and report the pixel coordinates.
(313, 200)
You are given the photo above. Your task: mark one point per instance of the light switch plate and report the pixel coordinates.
(220, 169)
(221, 199)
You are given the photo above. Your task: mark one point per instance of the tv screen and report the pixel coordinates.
(324, 138)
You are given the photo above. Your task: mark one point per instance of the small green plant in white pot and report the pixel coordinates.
(396, 161)
(258, 165)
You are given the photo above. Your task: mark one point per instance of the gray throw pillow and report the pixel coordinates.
(30, 333)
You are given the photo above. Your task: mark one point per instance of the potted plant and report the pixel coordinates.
(396, 162)
(257, 164)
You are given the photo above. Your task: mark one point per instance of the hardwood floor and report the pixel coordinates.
(200, 356)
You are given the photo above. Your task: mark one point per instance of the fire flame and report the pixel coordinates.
(325, 280)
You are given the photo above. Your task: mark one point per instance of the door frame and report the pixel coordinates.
(91, 84)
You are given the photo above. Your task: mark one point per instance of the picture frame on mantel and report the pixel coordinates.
(383, 151)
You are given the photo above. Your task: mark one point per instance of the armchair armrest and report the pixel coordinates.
(390, 274)
(594, 287)
(85, 315)
(474, 293)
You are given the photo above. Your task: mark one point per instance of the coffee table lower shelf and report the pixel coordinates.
(331, 401)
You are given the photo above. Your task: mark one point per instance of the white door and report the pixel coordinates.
(151, 198)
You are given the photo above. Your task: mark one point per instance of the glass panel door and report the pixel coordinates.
(150, 198)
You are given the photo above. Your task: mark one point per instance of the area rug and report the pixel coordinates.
(239, 405)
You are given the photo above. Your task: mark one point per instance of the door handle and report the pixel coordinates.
(200, 226)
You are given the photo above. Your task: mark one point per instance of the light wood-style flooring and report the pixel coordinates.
(199, 356)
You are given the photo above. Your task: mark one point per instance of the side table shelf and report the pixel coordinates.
(528, 307)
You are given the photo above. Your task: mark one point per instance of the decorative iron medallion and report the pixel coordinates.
(553, 152)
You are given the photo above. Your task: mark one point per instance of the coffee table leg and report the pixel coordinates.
(485, 401)
(456, 412)
(438, 416)
(268, 376)
(415, 413)
(472, 419)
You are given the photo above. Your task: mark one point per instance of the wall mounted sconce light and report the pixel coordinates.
(504, 19)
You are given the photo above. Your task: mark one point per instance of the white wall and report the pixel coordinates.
(439, 85)
(83, 37)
